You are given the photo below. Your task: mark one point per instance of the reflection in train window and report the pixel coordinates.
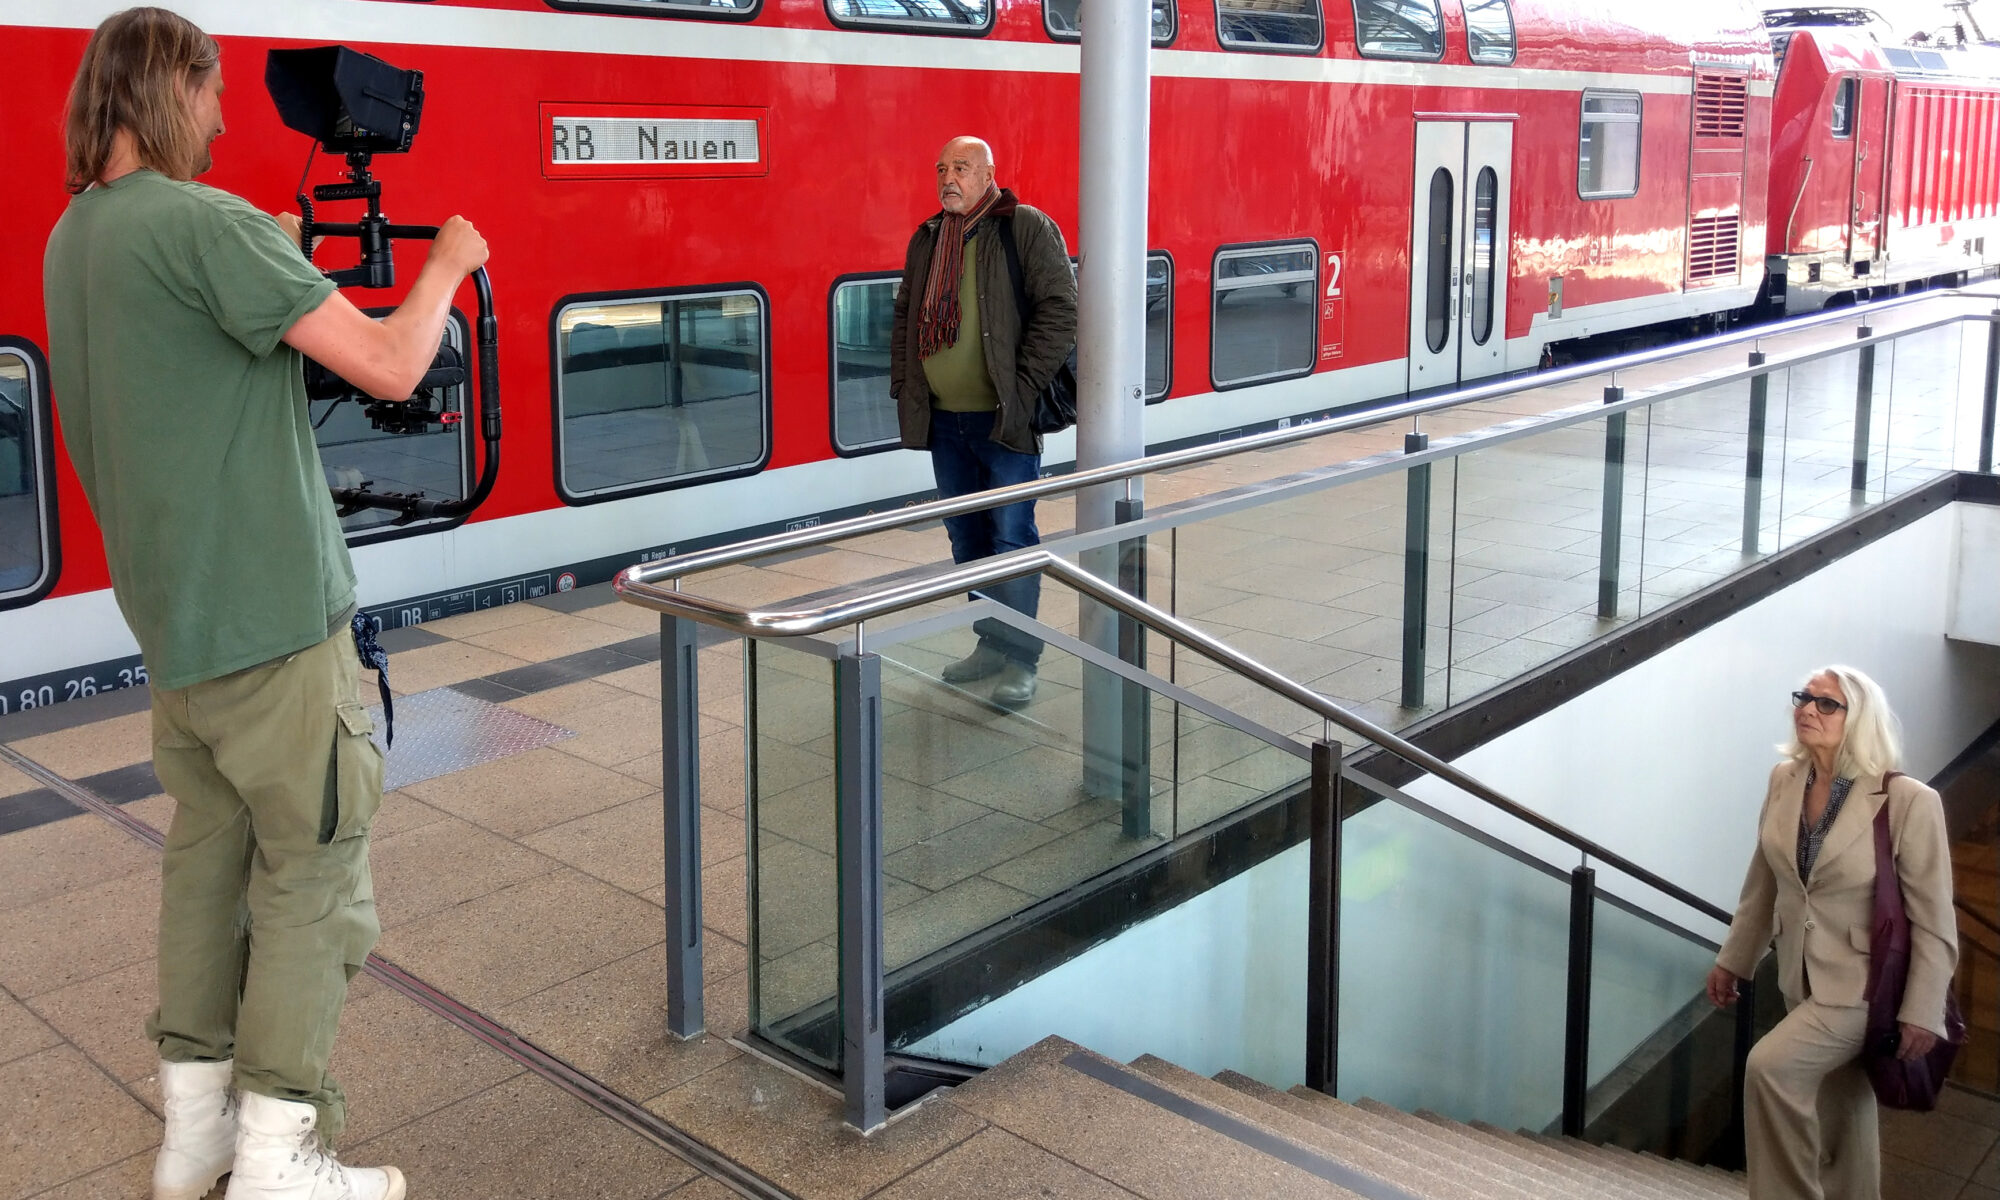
(1843, 107)
(1064, 21)
(437, 462)
(1608, 145)
(937, 16)
(1263, 315)
(1485, 215)
(736, 10)
(1159, 326)
(864, 417)
(1489, 31)
(662, 390)
(1284, 25)
(26, 520)
(1398, 29)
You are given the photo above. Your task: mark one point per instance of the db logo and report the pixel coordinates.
(565, 582)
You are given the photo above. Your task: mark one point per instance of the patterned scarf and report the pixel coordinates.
(937, 320)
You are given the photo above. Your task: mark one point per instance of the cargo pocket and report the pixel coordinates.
(353, 777)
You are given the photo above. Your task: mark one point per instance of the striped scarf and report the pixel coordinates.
(937, 320)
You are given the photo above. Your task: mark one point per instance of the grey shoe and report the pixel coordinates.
(979, 664)
(1016, 686)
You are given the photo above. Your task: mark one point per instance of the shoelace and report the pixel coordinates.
(313, 1155)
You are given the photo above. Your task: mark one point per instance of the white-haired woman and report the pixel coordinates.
(1809, 1112)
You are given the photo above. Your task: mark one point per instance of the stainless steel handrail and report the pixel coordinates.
(990, 571)
(681, 565)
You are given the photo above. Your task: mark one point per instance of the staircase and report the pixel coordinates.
(1165, 1133)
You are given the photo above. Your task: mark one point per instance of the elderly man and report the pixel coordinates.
(969, 353)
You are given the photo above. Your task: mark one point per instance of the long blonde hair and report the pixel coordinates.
(134, 77)
(1873, 741)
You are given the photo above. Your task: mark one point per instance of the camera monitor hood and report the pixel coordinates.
(346, 100)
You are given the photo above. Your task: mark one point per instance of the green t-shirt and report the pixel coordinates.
(185, 417)
(957, 373)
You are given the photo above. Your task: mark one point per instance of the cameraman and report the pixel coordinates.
(177, 316)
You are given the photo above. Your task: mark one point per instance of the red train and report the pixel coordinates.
(697, 208)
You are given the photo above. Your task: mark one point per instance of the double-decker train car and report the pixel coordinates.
(1885, 167)
(697, 209)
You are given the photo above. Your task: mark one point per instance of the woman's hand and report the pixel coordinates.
(1915, 1043)
(1722, 986)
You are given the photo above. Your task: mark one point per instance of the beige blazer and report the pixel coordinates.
(1822, 925)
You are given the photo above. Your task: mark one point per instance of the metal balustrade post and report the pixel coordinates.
(1137, 709)
(1323, 922)
(858, 771)
(1612, 537)
(680, 794)
(1990, 394)
(1753, 456)
(1416, 572)
(1746, 1036)
(1576, 1031)
(1864, 407)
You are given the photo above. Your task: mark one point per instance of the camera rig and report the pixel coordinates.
(355, 104)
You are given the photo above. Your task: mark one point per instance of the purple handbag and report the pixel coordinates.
(1899, 1084)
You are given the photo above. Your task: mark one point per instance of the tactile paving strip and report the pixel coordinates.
(443, 730)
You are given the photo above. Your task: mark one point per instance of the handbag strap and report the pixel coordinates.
(1014, 268)
(1890, 919)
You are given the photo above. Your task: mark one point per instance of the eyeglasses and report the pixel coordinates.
(1827, 705)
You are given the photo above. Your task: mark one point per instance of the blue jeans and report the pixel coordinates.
(965, 459)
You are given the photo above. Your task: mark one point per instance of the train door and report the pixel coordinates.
(1871, 122)
(1458, 260)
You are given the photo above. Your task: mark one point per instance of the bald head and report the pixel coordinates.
(964, 173)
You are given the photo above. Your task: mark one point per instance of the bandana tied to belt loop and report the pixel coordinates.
(937, 320)
(372, 654)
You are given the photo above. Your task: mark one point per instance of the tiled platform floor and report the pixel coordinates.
(528, 889)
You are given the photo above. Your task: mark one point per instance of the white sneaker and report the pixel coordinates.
(200, 1141)
(279, 1156)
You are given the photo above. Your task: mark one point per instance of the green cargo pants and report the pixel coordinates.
(266, 906)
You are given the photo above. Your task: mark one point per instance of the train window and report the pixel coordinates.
(932, 16)
(1159, 326)
(1290, 26)
(1263, 317)
(660, 390)
(1608, 145)
(437, 462)
(1064, 20)
(1489, 30)
(864, 417)
(27, 493)
(1485, 208)
(1441, 268)
(1843, 107)
(1403, 29)
(727, 10)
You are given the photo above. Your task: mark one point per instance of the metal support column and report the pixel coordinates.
(1990, 395)
(1864, 405)
(1746, 1036)
(1576, 1030)
(1611, 541)
(680, 793)
(858, 734)
(1416, 571)
(1323, 922)
(1753, 456)
(1136, 789)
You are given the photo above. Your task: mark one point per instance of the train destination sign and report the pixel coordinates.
(636, 141)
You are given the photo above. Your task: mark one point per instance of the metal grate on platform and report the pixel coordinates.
(444, 730)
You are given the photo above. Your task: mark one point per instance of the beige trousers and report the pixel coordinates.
(1810, 1124)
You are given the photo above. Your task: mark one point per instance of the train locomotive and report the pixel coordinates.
(697, 210)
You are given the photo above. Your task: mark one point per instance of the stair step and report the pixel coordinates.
(1548, 1179)
(1355, 1156)
(1674, 1175)
(1127, 1139)
(1636, 1179)
(1383, 1123)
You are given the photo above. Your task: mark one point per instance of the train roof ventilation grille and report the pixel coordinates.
(1721, 102)
(1714, 246)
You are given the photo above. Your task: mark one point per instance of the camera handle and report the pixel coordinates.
(374, 231)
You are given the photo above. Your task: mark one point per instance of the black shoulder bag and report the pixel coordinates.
(1055, 405)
